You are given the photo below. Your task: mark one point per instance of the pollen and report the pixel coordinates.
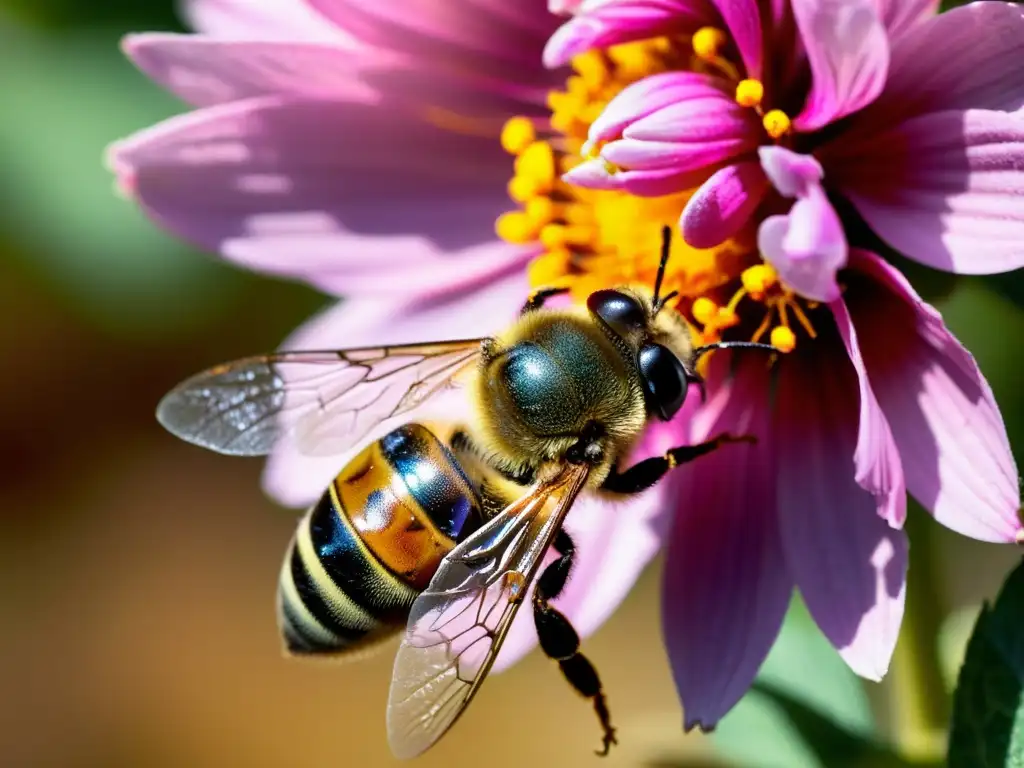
(758, 279)
(515, 227)
(783, 339)
(704, 310)
(749, 93)
(707, 42)
(776, 123)
(517, 134)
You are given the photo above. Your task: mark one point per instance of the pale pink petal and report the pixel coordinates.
(848, 53)
(946, 423)
(877, 459)
(207, 70)
(807, 246)
(260, 20)
(944, 188)
(601, 24)
(295, 479)
(723, 204)
(966, 58)
(726, 585)
(849, 564)
(303, 188)
(564, 7)
(901, 15)
(793, 174)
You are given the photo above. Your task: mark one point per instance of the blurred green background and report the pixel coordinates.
(137, 573)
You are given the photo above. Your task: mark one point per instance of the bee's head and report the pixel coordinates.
(664, 356)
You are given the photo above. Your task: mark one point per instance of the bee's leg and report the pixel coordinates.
(559, 640)
(646, 473)
(538, 297)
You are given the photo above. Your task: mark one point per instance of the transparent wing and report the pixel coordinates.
(324, 402)
(457, 625)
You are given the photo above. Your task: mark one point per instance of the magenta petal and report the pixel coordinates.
(877, 459)
(564, 7)
(944, 188)
(307, 186)
(726, 586)
(899, 16)
(723, 204)
(946, 422)
(807, 247)
(601, 24)
(848, 52)
(849, 564)
(648, 95)
(205, 70)
(295, 479)
(743, 20)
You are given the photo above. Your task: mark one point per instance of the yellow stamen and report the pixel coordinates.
(758, 279)
(801, 317)
(538, 162)
(776, 123)
(707, 41)
(515, 227)
(522, 188)
(704, 310)
(551, 269)
(783, 339)
(749, 93)
(517, 135)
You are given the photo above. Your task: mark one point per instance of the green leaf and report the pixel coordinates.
(988, 713)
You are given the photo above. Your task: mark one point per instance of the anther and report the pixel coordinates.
(523, 188)
(758, 279)
(515, 227)
(517, 134)
(704, 310)
(783, 339)
(537, 161)
(776, 123)
(749, 93)
(707, 41)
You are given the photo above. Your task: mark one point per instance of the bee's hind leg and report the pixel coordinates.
(559, 640)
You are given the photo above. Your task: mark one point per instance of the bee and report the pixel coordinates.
(444, 530)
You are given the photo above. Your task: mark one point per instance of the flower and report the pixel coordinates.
(357, 146)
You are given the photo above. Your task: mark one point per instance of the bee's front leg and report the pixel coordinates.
(646, 473)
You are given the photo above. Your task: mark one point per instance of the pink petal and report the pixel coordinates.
(205, 70)
(946, 423)
(900, 16)
(944, 188)
(743, 21)
(879, 470)
(807, 247)
(650, 94)
(564, 7)
(966, 58)
(848, 52)
(601, 24)
(793, 174)
(259, 20)
(295, 479)
(306, 188)
(848, 563)
(726, 585)
(723, 204)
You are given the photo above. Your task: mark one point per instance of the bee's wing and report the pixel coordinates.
(323, 402)
(457, 625)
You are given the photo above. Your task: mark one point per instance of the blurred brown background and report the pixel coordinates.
(137, 574)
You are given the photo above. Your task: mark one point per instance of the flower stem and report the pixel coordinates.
(921, 702)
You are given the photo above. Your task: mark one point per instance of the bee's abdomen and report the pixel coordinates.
(364, 552)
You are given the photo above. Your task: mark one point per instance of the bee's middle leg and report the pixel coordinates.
(559, 640)
(646, 473)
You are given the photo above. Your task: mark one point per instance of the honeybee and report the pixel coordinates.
(443, 529)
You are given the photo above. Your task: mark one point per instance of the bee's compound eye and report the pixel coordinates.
(664, 379)
(619, 311)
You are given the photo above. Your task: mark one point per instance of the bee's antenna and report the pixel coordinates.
(666, 249)
(732, 345)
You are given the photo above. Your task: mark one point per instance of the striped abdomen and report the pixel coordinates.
(372, 543)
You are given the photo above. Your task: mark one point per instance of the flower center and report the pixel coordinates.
(589, 239)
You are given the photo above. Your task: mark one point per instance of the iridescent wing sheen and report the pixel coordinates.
(323, 402)
(457, 625)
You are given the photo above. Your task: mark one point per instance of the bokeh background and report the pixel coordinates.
(137, 573)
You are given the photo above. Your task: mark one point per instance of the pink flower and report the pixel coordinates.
(356, 145)
(930, 155)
